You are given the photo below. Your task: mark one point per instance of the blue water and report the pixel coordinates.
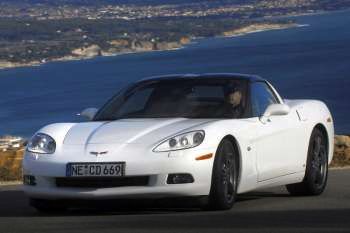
(305, 62)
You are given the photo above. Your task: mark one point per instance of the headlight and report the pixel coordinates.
(181, 141)
(42, 144)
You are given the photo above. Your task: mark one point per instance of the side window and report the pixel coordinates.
(261, 97)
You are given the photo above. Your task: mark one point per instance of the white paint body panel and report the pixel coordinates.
(271, 153)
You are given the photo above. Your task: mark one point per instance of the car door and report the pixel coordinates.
(274, 145)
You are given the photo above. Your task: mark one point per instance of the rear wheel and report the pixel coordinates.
(224, 179)
(316, 174)
(47, 206)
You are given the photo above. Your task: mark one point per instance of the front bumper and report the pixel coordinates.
(139, 162)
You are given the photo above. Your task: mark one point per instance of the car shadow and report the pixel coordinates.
(14, 203)
(259, 195)
(247, 216)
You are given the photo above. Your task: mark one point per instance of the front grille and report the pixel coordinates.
(101, 182)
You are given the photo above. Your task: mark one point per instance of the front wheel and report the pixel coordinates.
(224, 179)
(316, 173)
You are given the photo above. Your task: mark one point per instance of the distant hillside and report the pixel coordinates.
(34, 32)
(115, 2)
(324, 4)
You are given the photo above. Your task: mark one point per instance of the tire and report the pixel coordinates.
(223, 189)
(316, 174)
(47, 206)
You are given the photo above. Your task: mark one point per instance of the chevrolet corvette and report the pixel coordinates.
(209, 136)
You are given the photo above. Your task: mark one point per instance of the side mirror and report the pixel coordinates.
(276, 110)
(88, 113)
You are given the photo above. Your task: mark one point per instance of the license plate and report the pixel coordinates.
(95, 169)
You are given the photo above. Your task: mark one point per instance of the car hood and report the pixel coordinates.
(139, 131)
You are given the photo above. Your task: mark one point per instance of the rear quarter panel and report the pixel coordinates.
(314, 113)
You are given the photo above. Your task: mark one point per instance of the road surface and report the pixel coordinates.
(270, 210)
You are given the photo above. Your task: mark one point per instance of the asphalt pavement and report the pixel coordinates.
(270, 210)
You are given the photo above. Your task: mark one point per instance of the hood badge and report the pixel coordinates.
(98, 153)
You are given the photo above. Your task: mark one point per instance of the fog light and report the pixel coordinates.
(180, 178)
(29, 180)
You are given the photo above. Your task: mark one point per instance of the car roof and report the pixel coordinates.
(247, 77)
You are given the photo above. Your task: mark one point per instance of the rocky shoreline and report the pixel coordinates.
(123, 46)
(341, 151)
(260, 27)
(118, 47)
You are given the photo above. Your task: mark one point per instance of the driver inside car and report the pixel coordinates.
(234, 99)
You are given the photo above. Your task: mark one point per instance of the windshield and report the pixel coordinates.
(190, 98)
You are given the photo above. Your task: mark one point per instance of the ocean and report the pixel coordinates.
(310, 62)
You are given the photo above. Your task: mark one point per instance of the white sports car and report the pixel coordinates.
(209, 136)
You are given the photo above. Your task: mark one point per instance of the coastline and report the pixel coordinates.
(262, 27)
(4, 65)
(78, 55)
